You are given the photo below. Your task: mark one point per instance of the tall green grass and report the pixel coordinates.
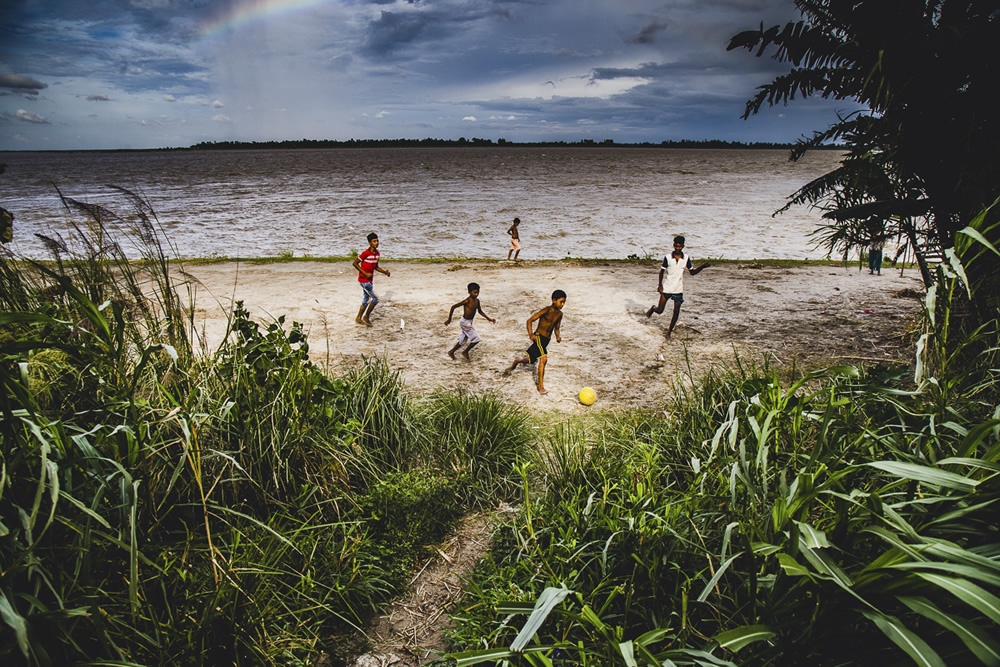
(159, 506)
(846, 518)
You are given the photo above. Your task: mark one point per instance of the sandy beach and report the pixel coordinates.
(807, 315)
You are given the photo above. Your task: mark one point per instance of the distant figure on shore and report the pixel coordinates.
(469, 335)
(673, 268)
(367, 264)
(515, 240)
(549, 319)
(875, 255)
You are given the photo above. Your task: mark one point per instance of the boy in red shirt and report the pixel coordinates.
(367, 264)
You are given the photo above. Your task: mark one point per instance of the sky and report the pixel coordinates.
(112, 74)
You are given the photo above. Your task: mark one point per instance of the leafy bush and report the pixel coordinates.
(764, 520)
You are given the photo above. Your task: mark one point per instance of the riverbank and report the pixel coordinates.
(806, 315)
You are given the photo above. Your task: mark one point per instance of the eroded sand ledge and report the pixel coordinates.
(805, 314)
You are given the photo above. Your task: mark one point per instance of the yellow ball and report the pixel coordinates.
(587, 396)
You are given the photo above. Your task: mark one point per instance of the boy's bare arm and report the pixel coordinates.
(695, 272)
(556, 330)
(659, 284)
(357, 267)
(534, 317)
(450, 312)
(479, 307)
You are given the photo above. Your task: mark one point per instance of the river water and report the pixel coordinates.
(435, 202)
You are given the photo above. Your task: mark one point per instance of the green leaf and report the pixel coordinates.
(736, 639)
(927, 475)
(984, 648)
(15, 622)
(718, 574)
(968, 592)
(480, 655)
(914, 646)
(546, 602)
(791, 566)
(811, 537)
(628, 654)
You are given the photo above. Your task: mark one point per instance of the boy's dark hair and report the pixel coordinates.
(517, 221)
(372, 236)
(473, 286)
(558, 294)
(679, 239)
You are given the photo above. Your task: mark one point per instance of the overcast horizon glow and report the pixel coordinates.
(172, 73)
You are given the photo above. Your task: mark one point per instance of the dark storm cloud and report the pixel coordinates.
(22, 84)
(393, 30)
(648, 33)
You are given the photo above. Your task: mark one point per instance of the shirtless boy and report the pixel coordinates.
(470, 307)
(549, 319)
(673, 267)
(367, 264)
(515, 241)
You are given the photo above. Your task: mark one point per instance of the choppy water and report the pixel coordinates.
(441, 202)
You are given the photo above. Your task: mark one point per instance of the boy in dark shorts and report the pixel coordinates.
(549, 319)
(673, 266)
(470, 307)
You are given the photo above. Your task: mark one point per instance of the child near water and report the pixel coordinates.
(469, 336)
(673, 267)
(515, 240)
(549, 319)
(367, 264)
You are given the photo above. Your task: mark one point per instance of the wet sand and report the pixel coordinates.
(809, 316)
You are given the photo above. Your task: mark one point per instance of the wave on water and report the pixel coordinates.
(600, 202)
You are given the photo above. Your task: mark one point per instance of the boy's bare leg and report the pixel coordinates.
(658, 308)
(515, 256)
(673, 320)
(465, 352)
(366, 319)
(522, 360)
(451, 352)
(541, 375)
(360, 318)
(508, 254)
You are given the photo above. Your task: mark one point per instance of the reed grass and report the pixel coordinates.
(241, 506)
(848, 517)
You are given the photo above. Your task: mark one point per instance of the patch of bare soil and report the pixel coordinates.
(808, 316)
(411, 630)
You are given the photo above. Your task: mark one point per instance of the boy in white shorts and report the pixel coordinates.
(469, 335)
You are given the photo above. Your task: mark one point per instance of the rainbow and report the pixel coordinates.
(248, 11)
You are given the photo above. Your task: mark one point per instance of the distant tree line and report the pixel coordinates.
(478, 142)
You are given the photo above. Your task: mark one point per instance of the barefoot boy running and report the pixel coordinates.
(367, 264)
(549, 319)
(673, 266)
(470, 307)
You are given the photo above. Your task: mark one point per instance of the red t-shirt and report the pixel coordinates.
(369, 260)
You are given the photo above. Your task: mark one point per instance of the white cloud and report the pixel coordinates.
(222, 118)
(169, 98)
(217, 104)
(32, 117)
(470, 118)
(383, 114)
(97, 97)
